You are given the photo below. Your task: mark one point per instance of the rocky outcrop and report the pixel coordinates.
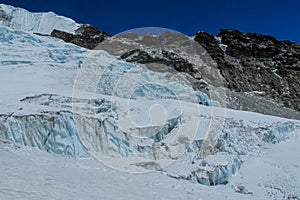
(209, 43)
(85, 36)
(257, 63)
(167, 58)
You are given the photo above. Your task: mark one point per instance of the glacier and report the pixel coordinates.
(39, 96)
(108, 116)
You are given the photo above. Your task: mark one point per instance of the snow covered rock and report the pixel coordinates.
(85, 36)
(259, 64)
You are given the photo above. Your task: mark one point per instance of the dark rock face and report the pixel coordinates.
(254, 62)
(209, 43)
(85, 36)
(167, 58)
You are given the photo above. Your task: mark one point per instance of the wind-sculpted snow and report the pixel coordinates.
(23, 20)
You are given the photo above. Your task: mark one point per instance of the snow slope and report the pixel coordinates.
(99, 117)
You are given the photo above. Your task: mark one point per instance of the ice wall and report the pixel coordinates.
(23, 20)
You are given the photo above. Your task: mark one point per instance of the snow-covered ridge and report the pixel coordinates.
(44, 23)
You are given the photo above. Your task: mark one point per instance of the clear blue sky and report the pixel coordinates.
(279, 18)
